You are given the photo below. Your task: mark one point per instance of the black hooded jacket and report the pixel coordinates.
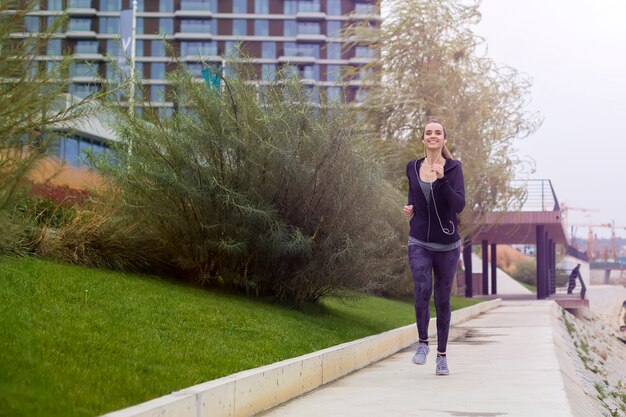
(448, 194)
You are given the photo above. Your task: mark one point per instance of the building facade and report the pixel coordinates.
(303, 35)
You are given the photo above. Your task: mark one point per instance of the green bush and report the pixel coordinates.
(257, 189)
(526, 272)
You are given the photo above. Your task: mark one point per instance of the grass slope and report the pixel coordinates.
(81, 342)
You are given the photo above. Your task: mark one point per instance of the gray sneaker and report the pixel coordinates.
(420, 355)
(442, 366)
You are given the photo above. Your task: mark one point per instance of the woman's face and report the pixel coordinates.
(433, 136)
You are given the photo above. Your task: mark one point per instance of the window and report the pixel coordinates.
(31, 24)
(109, 25)
(139, 48)
(86, 47)
(291, 7)
(363, 52)
(333, 72)
(334, 7)
(231, 49)
(261, 6)
(111, 5)
(333, 51)
(198, 48)
(82, 90)
(293, 49)
(194, 69)
(268, 50)
(79, 4)
(166, 25)
(164, 112)
(197, 25)
(157, 93)
(268, 72)
(310, 72)
(53, 67)
(240, 27)
(82, 69)
(113, 47)
(158, 71)
(166, 6)
(309, 6)
(52, 21)
(78, 24)
(139, 70)
(333, 28)
(240, 6)
(261, 27)
(54, 47)
(140, 5)
(314, 94)
(363, 8)
(55, 4)
(290, 28)
(139, 26)
(206, 5)
(308, 28)
(333, 93)
(157, 48)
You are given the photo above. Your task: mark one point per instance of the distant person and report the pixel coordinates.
(436, 196)
(571, 282)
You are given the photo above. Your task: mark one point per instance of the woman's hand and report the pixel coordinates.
(407, 210)
(437, 169)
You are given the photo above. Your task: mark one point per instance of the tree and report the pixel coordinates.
(33, 105)
(429, 63)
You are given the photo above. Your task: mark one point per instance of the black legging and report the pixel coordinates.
(423, 263)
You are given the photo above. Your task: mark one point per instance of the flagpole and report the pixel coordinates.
(133, 36)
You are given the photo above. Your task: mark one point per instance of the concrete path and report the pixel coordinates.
(503, 363)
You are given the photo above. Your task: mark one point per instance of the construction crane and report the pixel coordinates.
(591, 238)
(565, 209)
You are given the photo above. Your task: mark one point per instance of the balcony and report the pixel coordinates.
(311, 38)
(310, 15)
(297, 59)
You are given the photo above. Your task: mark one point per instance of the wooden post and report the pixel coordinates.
(485, 267)
(541, 248)
(467, 261)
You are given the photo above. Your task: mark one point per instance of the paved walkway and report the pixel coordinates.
(503, 363)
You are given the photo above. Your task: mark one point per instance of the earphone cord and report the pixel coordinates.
(432, 194)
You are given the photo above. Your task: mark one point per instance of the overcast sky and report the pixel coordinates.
(574, 51)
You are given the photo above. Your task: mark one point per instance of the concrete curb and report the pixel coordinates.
(250, 392)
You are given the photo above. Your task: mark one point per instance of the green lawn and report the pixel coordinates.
(82, 342)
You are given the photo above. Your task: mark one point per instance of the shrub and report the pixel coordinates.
(257, 189)
(526, 271)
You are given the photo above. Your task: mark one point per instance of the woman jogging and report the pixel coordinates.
(436, 196)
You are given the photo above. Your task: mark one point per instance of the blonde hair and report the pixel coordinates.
(445, 152)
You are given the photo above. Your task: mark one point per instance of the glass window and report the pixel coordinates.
(140, 24)
(308, 28)
(240, 27)
(291, 49)
(157, 93)
(333, 72)
(70, 150)
(79, 4)
(240, 6)
(309, 50)
(82, 90)
(197, 26)
(54, 47)
(166, 25)
(157, 48)
(51, 21)
(363, 52)
(333, 28)
(139, 70)
(111, 5)
(109, 25)
(194, 69)
(198, 48)
(166, 6)
(308, 6)
(113, 47)
(314, 94)
(291, 7)
(158, 71)
(206, 5)
(164, 112)
(268, 72)
(79, 24)
(268, 50)
(333, 51)
(310, 72)
(86, 47)
(140, 5)
(290, 28)
(333, 93)
(334, 7)
(363, 8)
(31, 24)
(231, 48)
(82, 69)
(55, 5)
(262, 27)
(261, 6)
(139, 48)
(53, 67)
